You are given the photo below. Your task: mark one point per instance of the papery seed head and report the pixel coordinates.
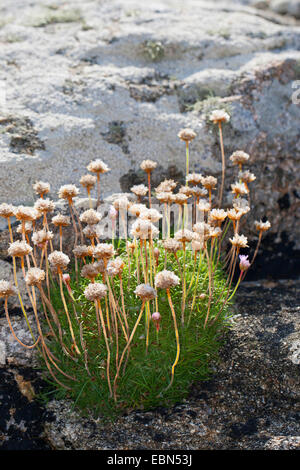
(239, 157)
(41, 188)
(219, 115)
(148, 165)
(139, 190)
(19, 249)
(90, 217)
(7, 289)
(61, 220)
(68, 192)
(145, 292)
(7, 210)
(166, 279)
(58, 260)
(35, 276)
(98, 166)
(95, 291)
(187, 135)
(88, 181)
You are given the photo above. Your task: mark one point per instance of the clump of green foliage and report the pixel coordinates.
(143, 385)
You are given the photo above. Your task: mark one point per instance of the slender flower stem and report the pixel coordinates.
(125, 349)
(177, 339)
(149, 187)
(13, 332)
(99, 311)
(223, 164)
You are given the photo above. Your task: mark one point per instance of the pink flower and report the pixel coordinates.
(244, 262)
(66, 280)
(156, 318)
(112, 213)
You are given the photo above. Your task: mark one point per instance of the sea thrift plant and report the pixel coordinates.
(131, 321)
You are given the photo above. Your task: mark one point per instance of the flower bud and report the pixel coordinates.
(244, 262)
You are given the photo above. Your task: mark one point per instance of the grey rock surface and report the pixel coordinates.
(118, 79)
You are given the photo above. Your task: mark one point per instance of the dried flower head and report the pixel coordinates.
(148, 165)
(26, 229)
(166, 279)
(246, 176)
(244, 262)
(136, 209)
(180, 199)
(143, 229)
(240, 241)
(19, 249)
(98, 166)
(184, 236)
(234, 214)
(61, 220)
(139, 190)
(7, 210)
(171, 245)
(90, 217)
(219, 115)
(41, 188)
(88, 181)
(35, 276)
(104, 251)
(239, 157)
(202, 229)
(145, 292)
(90, 231)
(41, 237)
(197, 245)
(68, 192)
(115, 267)
(152, 215)
(239, 189)
(81, 251)
(7, 289)
(209, 182)
(194, 178)
(91, 271)
(186, 190)
(122, 203)
(165, 197)
(218, 215)
(95, 291)
(241, 204)
(44, 205)
(262, 226)
(203, 205)
(215, 232)
(198, 192)
(27, 214)
(166, 186)
(58, 260)
(187, 135)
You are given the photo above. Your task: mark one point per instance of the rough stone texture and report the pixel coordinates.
(251, 401)
(117, 80)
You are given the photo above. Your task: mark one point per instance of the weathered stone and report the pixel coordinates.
(102, 95)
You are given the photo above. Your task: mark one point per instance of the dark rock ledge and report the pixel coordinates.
(252, 402)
